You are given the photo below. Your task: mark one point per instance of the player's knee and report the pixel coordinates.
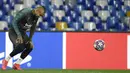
(30, 46)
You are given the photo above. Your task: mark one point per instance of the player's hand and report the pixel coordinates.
(19, 40)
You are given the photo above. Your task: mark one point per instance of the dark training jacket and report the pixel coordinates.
(24, 19)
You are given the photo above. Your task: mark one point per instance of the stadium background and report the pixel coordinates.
(73, 50)
(72, 15)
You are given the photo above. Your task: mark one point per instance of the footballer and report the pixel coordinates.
(26, 19)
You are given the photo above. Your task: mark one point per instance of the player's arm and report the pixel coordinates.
(17, 18)
(16, 28)
(32, 29)
(14, 24)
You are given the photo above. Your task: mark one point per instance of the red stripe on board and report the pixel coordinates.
(80, 53)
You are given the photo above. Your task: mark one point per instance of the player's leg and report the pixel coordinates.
(18, 48)
(29, 48)
(24, 54)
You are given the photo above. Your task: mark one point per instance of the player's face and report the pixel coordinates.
(39, 11)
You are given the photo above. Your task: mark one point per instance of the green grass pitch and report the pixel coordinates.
(63, 71)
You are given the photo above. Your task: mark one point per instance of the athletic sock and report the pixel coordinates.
(19, 61)
(8, 58)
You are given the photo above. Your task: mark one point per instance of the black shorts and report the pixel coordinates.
(13, 37)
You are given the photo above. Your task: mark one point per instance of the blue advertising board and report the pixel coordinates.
(47, 52)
